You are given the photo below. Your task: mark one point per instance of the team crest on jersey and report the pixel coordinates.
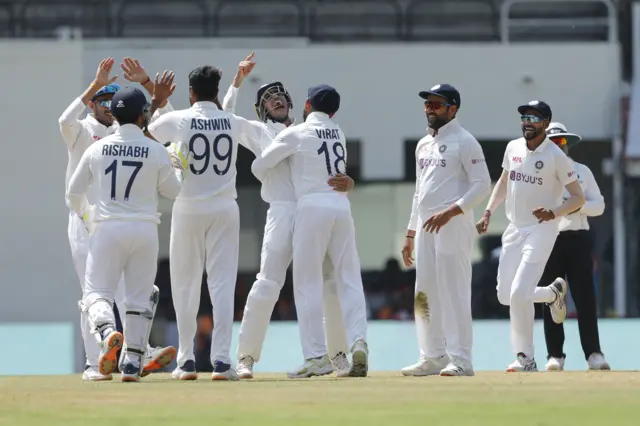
(442, 148)
(539, 164)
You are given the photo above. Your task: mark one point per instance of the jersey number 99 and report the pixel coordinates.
(338, 152)
(205, 154)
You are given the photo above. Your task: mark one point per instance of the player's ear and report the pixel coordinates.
(307, 105)
(91, 105)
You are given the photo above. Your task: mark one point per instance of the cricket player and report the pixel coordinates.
(127, 170)
(315, 151)
(78, 135)
(273, 104)
(205, 225)
(452, 179)
(536, 172)
(571, 257)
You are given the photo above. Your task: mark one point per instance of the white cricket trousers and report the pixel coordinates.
(443, 288)
(323, 227)
(204, 240)
(79, 243)
(524, 254)
(117, 248)
(276, 255)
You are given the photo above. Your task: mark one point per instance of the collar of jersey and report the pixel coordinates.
(543, 146)
(318, 116)
(450, 126)
(130, 129)
(205, 105)
(95, 122)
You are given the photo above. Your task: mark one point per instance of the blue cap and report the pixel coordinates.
(445, 91)
(128, 102)
(324, 98)
(542, 107)
(108, 89)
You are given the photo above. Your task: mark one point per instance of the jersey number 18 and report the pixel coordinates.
(338, 152)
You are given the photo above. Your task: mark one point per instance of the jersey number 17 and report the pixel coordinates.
(113, 169)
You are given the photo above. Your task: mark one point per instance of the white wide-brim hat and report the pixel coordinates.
(559, 130)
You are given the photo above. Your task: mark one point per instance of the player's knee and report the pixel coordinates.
(521, 296)
(265, 290)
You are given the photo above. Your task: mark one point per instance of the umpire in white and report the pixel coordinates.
(571, 259)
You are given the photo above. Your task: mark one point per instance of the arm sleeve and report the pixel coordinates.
(165, 128)
(505, 159)
(474, 164)
(169, 178)
(282, 147)
(249, 134)
(161, 111)
(565, 171)
(79, 183)
(229, 101)
(413, 219)
(594, 204)
(70, 126)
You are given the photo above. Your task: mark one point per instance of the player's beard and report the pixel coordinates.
(437, 122)
(530, 132)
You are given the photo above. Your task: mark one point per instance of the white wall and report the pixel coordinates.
(379, 84)
(37, 281)
(380, 104)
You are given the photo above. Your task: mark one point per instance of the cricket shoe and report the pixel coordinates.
(130, 372)
(92, 374)
(319, 366)
(158, 358)
(359, 359)
(341, 365)
(458, 367)
(185, 372)
(426, 366)
(596, 361)
(108, 360)
(554, 364)
(558, 307)
(522, 364)
(245, 367)
(223, 371)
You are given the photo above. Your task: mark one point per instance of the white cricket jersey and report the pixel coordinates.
(316, 150)
(127, 170)
(210, 136)
(593, 206)
(536, 179)
(450, 168)
(276, 184)
(78, 134)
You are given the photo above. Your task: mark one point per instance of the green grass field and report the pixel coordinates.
(496, 398)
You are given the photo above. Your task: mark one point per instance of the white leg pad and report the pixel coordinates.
(137, 328)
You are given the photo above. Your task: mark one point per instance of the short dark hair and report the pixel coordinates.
(127, 119)
(205, 82)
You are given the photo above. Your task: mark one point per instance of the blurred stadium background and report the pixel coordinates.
(579, 56)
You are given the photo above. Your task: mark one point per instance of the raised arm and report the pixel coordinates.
(134, 72)
(281, 148)
(70, 126)
(244, 69)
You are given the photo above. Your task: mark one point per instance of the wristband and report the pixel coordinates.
(488, 211)
(408, 236)
(148, 80)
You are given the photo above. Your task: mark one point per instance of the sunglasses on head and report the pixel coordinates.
(435, 104)
(559, 140)
(531, 118)
(104, 104)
